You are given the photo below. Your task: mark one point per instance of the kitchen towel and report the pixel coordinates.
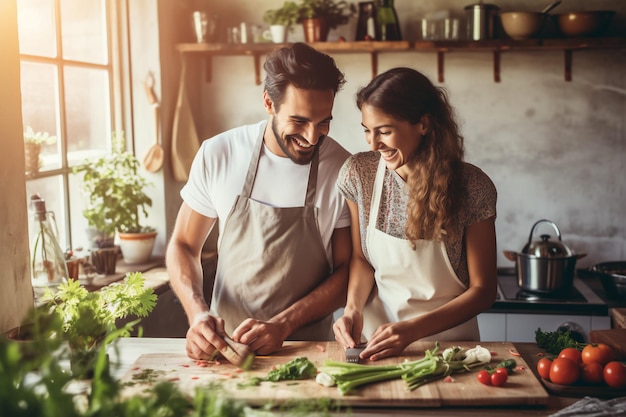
(594, 407)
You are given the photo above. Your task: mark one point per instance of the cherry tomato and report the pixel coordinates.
(499, 378)
(502, 371)
(484, 377)
(572, 354)
(597, 352)
(564, 371)
(592, 373)
(615, 374)
(543, 368)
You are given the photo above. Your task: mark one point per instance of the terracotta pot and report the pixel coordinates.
(315, 30)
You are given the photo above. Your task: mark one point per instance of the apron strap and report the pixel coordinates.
(377, 191)
(246, 190)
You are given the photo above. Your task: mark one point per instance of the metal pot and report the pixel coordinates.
(481, 20)
(545, 266)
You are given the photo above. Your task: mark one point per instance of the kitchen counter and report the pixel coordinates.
(130, 349)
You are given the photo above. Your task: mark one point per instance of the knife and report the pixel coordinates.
(352, 354)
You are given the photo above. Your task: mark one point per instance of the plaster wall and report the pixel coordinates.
(554, 149)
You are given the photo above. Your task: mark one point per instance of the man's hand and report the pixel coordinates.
(263, 337)
(203, 336)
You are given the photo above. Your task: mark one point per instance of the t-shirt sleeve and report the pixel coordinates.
(482, 196)
(196, 193)
(347, 180)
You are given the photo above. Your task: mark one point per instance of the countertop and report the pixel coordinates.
(130, 349)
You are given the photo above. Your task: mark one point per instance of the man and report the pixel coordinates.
(284, 243)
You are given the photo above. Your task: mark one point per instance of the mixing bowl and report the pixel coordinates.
(588, 23)
(522, 25)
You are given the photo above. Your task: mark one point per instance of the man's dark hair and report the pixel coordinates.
(301, 66)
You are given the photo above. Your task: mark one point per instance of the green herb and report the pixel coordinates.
(508, 364)
(555, 342)
(298, 368)
(432, 366)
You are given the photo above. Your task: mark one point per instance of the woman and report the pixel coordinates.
(424, 248)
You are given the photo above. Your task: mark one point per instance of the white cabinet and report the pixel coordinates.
(512, 327)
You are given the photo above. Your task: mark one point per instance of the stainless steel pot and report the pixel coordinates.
(481, 21)
(545, 266)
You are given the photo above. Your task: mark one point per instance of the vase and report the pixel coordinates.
(315, 30)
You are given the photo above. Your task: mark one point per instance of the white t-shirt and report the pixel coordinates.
(220, 167)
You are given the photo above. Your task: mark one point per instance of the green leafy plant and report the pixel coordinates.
(38, 138)
(287, 15)
(335, 13)
(115, 190)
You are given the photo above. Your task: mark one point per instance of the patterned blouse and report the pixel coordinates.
(356, 183)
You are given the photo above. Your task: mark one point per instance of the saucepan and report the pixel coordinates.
(545, 266)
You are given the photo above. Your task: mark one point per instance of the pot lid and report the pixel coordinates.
(546, 248)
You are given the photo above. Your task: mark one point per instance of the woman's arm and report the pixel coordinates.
(361, 281)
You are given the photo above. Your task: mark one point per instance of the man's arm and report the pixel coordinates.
(266, 337)
(185, 272)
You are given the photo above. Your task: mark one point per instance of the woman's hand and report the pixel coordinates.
(389, 340)
(348, 328)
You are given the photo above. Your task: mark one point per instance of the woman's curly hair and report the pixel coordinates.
(435, 182)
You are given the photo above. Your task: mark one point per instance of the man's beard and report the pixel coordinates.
(298, 158)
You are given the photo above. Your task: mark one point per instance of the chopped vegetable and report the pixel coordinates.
(508, 364)
(298, 368)
(432, 366)
(555, 342)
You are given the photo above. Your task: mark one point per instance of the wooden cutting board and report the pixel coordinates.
(522, 387)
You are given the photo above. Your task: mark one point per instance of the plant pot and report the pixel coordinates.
(104, 260)
(31, 157)
(315, 30)
(137, 247)
(100, 239)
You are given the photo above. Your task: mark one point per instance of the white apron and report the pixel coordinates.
(269, 258)
(409, 282)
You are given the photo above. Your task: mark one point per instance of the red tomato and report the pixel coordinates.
(502, 371)
(572, 354)
(543, 368)
(615, 374)
(592, 373)
(484, 377)
(499, 378)
(597, 352)
(564, 371)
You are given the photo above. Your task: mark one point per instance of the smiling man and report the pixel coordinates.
(284, 242)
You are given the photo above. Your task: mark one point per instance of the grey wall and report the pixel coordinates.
(554, 149)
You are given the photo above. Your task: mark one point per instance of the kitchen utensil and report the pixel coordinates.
(185, 141)
(612, 275)
(545, 265)
(588, 23)
(152, 161)
(352, 354)
(522, 25)
(480, 21)
(550, 6)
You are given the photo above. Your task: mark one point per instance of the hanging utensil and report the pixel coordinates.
(551, 6)
(153, 159)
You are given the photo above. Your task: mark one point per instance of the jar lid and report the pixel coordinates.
(546, 248)
(480, 6)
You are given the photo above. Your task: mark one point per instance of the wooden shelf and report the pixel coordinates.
(374, 48)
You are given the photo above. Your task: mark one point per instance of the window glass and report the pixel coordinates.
(35, 22)
(50, 189)
(83, 26)
(40, 109)
(88, 109)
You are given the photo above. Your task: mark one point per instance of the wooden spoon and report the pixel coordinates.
(153, 159)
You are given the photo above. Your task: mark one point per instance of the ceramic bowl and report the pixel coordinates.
(522, 25)
(581, 24)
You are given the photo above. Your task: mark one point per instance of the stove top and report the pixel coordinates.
(579, 300)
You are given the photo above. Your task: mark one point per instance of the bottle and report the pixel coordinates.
(47, 259)
(387, 19)
(366, 28)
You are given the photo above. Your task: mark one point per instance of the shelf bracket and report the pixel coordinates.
(568, 64)
(257, 69)
(440, 64)
(374, 62)
(496, 66)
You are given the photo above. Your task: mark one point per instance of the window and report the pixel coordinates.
(70, 69)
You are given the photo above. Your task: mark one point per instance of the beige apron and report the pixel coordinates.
(269, 258)
(409, 282)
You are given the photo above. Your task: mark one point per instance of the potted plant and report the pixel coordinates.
(116, 199)
(32, 148)
(281, 20)
(318, 17)
(89, 317)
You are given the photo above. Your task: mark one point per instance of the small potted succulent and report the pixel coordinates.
(33, 141)
(281, 20)
(318, 17)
